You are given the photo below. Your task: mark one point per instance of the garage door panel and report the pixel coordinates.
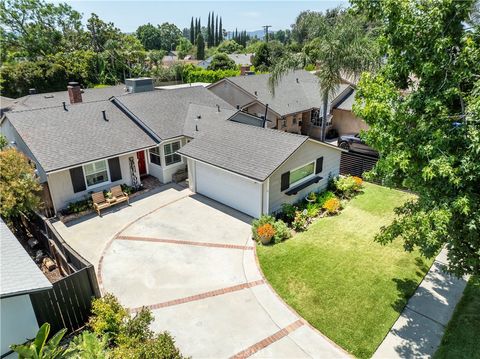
(227, 188)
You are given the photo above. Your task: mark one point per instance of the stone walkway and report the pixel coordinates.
(418, 331)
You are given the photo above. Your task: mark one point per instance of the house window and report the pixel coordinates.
(96, 173)
(155, 156)
(170, 150)
(302, 172)
(316, 118)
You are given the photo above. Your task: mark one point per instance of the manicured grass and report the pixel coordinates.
(462, 335)
(346, 285)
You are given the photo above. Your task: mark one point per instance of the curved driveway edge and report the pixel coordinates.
(193, 263)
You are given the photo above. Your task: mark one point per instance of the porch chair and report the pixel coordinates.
(119, 195)
(99, 202)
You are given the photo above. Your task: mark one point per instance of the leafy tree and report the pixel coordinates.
(423, 109)
(183, 48)
(357, 53)
(99, 32)
(230, 47)
(150, 36)
(156, 56)
(200, 47)
(38, 28)
(170, 35)
(221, 62)
(3, 142)
(40, 348)
(262, 60)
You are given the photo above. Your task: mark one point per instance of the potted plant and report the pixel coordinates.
(311, 197)
(265, 233)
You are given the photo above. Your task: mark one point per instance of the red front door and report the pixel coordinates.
(142, 167)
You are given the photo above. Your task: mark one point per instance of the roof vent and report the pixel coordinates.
(104, 115)
(32, 91)
(199, 117)
(297, 80)
(238, 107)
(64, 106)
(256, 93)
(218, 108)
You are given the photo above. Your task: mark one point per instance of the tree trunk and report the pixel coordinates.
(324, 116)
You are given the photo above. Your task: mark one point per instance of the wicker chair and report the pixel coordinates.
(99, 202)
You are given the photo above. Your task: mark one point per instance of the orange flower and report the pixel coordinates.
(266, 231)
(332, 205)
(358, 180)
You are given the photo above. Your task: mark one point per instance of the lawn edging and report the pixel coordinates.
(304, 321)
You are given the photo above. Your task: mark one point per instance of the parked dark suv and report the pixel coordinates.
(354, 143)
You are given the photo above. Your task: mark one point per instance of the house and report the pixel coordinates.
(20, 277)
(84, 147)
(239, 59)
(295, 106)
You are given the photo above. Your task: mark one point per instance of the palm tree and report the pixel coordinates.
(345, 49)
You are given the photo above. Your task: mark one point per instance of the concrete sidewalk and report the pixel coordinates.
(419, 329)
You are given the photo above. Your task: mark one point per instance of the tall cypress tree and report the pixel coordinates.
(212, 30)
(192, 32)
(220, 31)
(208, 30)
(216, 31)
(200, 47)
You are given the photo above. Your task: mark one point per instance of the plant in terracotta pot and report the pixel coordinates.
(265, 233)
(311, 197)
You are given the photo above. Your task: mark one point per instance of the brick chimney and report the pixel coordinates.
(74, 92)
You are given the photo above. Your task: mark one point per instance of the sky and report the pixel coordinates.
(245, 15)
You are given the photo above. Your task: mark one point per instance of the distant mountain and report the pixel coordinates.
(259, 33)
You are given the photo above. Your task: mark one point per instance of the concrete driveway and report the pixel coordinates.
(193, 263)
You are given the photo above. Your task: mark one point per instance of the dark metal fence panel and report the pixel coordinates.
(356, 164)
(67, 304)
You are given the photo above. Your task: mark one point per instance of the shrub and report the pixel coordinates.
(288, 212)
(87, 345)
(346, 186)
(300, 223)
(260, 222)
(312, 210)
(265, 233)
(282, 232)
(332, 205)
(197, 74)
(358, 181)
(128, 189)
(324, 196)
(310, 67)
(79, 206)
(108, 317)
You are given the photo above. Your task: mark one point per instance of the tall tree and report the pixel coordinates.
(216, 31)
(200, 47)
(99, 32)
(220, 31)
(208, 31)
(358, 53)
(192, 32)
(150, 36)
(423, 109)
(212, 29)
(170, 35)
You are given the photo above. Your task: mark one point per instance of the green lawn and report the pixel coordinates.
(462, 335)
(346, 285)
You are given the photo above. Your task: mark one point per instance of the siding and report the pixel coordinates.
(164, 173)
(18, 321)
(61, 187)
(346, 122)
(308, 152)
(259, 110)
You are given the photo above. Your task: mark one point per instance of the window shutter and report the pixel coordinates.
(115, 171)
(285, 181)
(78, 180)
(319, 165)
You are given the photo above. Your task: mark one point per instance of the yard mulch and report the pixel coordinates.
(340, 280)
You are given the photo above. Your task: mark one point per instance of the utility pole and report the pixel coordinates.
(265, 27)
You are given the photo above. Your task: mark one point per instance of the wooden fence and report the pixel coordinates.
(356, 164)
(68, 303)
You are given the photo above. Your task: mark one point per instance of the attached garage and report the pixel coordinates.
(241, 193)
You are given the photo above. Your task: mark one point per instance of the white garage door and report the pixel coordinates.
(227, 188)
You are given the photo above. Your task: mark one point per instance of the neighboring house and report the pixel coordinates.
(19, 277)
(6, 104)
(239, 59)
(80, 148)
(295, 106)
(343, 118)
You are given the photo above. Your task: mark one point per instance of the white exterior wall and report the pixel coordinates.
(18, 321)
(345, 122)
(307, 153)
(231, 93)
(61, 188)
(164, 173)
(11, 134)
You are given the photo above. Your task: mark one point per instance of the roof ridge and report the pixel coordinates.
(57, 106)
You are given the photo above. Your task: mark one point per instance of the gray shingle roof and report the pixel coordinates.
(251, 151)
(290, 95)
(18, 273)
(53, 99)
(60, 139)
(165, 112)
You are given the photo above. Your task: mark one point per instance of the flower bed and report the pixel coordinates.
(297, 217)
